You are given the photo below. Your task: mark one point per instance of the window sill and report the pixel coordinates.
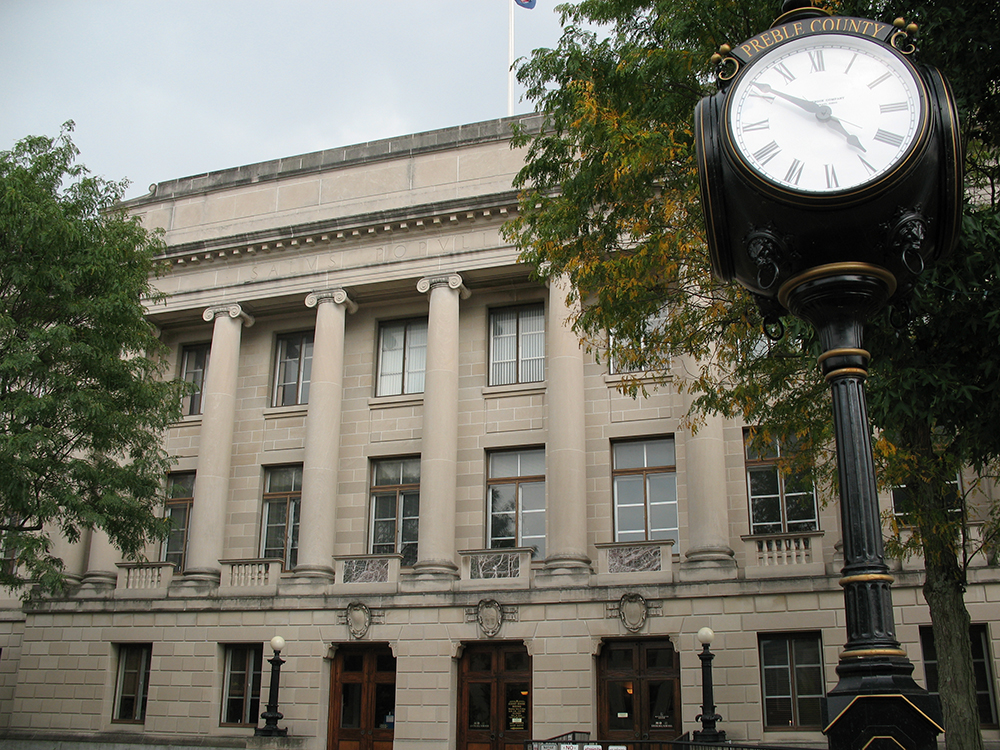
(643, 377)
(520, 389)
(407, 399)
(188, 420)
(286, 411)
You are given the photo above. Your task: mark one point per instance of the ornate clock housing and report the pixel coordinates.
(826, 145)
(826, 114)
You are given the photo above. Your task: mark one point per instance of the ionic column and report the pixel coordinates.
(215, 452)
(708, 554)
(322, 428)
(439, 452)
(566, 447)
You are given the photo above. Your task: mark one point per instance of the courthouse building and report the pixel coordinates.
(400, 460)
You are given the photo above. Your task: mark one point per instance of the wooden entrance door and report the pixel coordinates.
(494, 707)
(362, 698)
(639, 691)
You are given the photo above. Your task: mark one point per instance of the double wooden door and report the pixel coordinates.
(362, 698)
(494, 707)
(639, 691)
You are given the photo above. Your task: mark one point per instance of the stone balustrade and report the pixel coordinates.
(784, 555)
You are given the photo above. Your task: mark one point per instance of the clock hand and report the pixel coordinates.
(821, 111)
(807, 105)
(837, 125)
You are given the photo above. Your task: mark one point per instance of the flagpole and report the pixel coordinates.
(510, 58)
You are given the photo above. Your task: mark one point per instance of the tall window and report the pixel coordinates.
(982, 667)
(180, 498)
(194, 363)
(280, 525)
(241, 688)
(780, 502)
(395, 494)
(132, 686)
(292, 369)
(625, 358)
(645, 490)
(903, 502)
(791, 666)
(517, 345)
(402, 357)
(516, 488)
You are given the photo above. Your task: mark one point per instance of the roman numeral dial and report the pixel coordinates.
(825, 113)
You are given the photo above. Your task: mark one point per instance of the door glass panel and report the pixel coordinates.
(350, 712)
(354, 662)
(661, 704)
(480, 661)
(660, 658)
(516, 661)
(385, 662)
(385, 706)
(480, 698)
(516, 706)
(620, 706)
(620, 658)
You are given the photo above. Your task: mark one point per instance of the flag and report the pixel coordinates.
(529, 4)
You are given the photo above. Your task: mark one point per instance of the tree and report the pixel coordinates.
(82, 401)
(610, 199)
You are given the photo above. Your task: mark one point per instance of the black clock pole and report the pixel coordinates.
(876, 700)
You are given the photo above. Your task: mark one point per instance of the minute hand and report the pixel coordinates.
(807, 105)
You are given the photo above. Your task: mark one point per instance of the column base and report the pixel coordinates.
(564, 570)
(198, 580)
(313, 574)
(708, 564)
(431, 575)
(878, 705)
(97, 583)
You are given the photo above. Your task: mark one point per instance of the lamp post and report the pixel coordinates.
(707, 717)
(272, 716)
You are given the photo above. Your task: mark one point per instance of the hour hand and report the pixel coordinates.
(851, 138)
(807, 105)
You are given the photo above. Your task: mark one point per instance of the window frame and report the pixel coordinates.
(303, 368)
(405, 525)
(192, 404)
(126, 652)
(793, 669)
(520, 362)
(982, 665)
(769, 462)
(292, 500)
(518, 481)
(405, 374)
(254, 671)
(645, 471)
(185, 502)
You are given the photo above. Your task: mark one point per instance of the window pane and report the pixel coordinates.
(350, 708)
(503, 347)
(504, 464)
(660, 453)
(629, 456)
(390, 381)
(516, 702)
(416, 356)
(410, 471)
(620, 712)
(385, 705)
(480, 704)
(661, 704)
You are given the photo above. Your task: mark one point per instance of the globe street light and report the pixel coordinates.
(272, 716)
(707, 717)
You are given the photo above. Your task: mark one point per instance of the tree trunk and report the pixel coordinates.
(944, 591)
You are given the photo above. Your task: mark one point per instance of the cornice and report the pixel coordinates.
(380, 226)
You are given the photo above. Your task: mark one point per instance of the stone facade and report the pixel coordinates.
(337, 245)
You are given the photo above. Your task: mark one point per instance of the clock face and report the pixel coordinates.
(826, 113)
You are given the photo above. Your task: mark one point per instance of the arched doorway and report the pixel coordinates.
(362, 698)
(638, 690)
(494, 704)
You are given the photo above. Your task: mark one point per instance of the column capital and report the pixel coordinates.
(337, 296)
(452, 281)
(233, 310)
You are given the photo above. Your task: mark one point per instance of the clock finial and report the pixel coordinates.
(795, 9)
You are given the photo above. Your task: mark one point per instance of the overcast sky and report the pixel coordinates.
(161, 89)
